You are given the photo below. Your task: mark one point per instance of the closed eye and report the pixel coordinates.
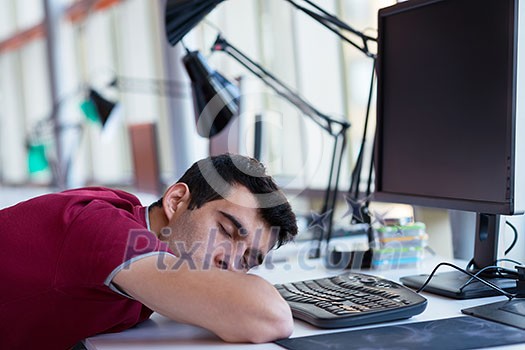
(224, 232)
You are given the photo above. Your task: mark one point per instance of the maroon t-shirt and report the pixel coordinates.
(57, 255)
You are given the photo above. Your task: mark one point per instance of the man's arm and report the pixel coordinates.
(237, 307)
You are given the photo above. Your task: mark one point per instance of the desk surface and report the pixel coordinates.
(161, 333)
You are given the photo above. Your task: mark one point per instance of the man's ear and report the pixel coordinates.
(177, 196)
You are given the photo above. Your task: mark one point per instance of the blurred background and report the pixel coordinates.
(96, 42)
(92, 94)
(54, 52)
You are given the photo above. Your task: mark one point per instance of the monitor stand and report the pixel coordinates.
(509, 312)
(449, 284)
(485, 254)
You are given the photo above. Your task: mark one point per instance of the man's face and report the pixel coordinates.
(227, 233)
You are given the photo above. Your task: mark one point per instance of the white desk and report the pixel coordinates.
(162, 333)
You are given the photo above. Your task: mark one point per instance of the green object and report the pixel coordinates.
(36, 158)
(90, 111)
(401, 250)
(401, 228)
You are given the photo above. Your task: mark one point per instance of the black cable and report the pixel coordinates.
(470, 265)
(510, 296)
(336, 21)
(371, 169)
(355, 177)
(498, 273)
(510, 260)
(515, 237)
(328, 21)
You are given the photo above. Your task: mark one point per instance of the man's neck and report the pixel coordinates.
(157, 220)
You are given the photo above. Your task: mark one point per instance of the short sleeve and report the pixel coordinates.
(100, 239)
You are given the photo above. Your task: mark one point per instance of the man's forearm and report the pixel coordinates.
(237, 307)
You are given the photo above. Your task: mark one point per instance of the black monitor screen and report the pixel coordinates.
(445, 104)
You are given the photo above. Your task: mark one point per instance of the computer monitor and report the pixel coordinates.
(450, 120)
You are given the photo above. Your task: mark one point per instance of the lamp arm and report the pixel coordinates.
(330, 22)
(171, 88)
(333, 19)
(321, 119)
(324, 121)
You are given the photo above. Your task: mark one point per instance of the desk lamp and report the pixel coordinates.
(216, 99)
(96, 108)
(182, 15)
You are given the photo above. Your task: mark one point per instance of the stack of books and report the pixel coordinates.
(398, 245)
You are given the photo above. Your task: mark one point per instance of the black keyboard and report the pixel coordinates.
(350, 299)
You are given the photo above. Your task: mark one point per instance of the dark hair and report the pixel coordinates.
(212, 178)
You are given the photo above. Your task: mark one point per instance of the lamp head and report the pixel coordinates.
(103, 107)
(216, 100)
(182, 15)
